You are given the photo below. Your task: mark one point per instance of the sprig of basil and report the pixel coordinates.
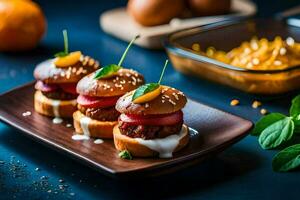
(106, 71)
(144, 89)
(287, 159)
(277, 133)
(295, 108)
(125, 155)
(275, 129)
(266, 121)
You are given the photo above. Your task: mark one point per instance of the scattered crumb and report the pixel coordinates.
(256, 104)
(27, 113)
(68, 125)
(196, 47)
(263, 111)
(234, 102)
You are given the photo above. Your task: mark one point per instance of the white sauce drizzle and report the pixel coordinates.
(80, 137)
(164, 146)
(98, 141)
(84, 123)
(193, 132)
(55, 105)
(57, 120)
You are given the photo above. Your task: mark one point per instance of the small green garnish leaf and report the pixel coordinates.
(295, 108)
(144, 89)
(287, 159)
(149, 87)
(266, 121)
(66, 46)
(277, 133)
(125, 155)
(107, 71)
(60, 54)
(297, 123)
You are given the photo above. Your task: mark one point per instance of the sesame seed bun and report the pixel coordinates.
(44, 106)
(125, 81)
(50, 74)
(97, 129)
(170, 100)
(123, 142)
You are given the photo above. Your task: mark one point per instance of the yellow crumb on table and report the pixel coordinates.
(196, 47)
(263, 111)
(256, 104)
(234, 102)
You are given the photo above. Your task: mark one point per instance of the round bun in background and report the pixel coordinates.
(48, 73)
(169, 101)
(155, 12)
(22, 25)
(209, 7)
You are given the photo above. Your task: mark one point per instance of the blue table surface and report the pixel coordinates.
(29, 170)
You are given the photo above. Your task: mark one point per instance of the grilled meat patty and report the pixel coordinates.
(60, 95)
(101, 114)
(148, 132)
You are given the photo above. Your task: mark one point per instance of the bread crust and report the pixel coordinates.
(44, 106)
(97, 129)
(48, 73)
(123, 142)
(155, 12)
(170, 100)
(125, 81)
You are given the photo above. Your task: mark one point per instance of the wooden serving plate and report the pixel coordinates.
(217, 130)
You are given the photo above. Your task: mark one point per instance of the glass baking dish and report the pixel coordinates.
(226, 36)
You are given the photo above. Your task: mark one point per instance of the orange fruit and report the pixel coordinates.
(22, 25)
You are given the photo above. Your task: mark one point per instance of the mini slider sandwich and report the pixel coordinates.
(57, 78)
(99, 92)
(151, 122)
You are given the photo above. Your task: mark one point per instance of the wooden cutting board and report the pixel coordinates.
(118, 23)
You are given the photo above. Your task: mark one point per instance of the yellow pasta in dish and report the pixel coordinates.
(258, 54)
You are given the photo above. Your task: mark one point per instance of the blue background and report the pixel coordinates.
(241, 172)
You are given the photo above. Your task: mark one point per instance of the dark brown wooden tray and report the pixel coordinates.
(217, 131)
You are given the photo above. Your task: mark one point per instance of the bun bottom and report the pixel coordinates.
(52, 107)
(123, 142)
(94, 128)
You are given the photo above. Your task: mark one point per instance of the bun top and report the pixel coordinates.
(126, 80)
(49, 73)
(170, 100)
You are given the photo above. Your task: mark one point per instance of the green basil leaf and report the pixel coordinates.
(277, 133)
(266, 121)
(144, 89)
(295, 108)
(125, 155)
(107, 71)
(297, 123)
(61, 54)
(287, 159)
